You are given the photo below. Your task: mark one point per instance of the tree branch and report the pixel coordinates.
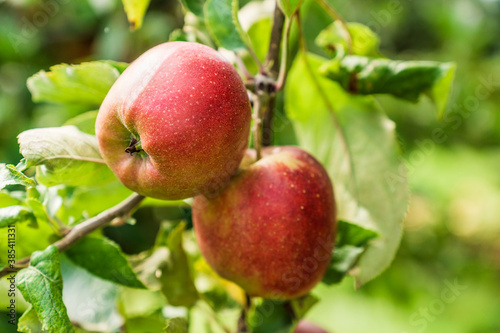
(273, 60)
(81, 230)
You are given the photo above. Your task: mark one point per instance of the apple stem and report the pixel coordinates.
(242, 320)
(257, 128)
(133, 147)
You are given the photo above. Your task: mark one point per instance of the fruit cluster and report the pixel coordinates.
(176, 125)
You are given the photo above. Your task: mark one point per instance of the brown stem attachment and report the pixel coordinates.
(132, 147)
(81, 230)
(242, 320)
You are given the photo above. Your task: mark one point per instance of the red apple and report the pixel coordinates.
(307, 327)
(176, 122)
(271, 230)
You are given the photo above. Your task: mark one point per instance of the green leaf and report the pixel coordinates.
(119, 65)
(94, 305)
(135, 9)
(140, 302)
(86, 83)
(344, 258)
(90, 253)
(15, 214)
(85, 122)
(407, 80)
(260, 35)
(356, 143)
(222, 27)
(279, 316)
(176, 325)
(39, 210)
(64, 155)
(6, 199)
(83, 202)
(302, 305)
(10, 176)
(334, 40)
(194, 6)
(29, 322)
(154, 324)
(352, 234)
(270, 316)
(352, 240)
(289, 6)
(176, 280)
(41, 285)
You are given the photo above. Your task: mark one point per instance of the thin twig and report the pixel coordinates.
(81, 230)
(273, 60)
(280, 82)
(273, 53)
(257, 128)
(242, 320)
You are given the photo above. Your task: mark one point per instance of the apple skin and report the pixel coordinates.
(271, 230)
(307, 327)
(188, 108)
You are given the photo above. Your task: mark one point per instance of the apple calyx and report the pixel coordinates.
(133, 147)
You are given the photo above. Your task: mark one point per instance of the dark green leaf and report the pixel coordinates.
(85, 122)
(29, 322)
(352, 234)
(135, 9)
(194, 6)
(15, 214)
(344, 258)
(176, 280)
(176, 325)
(64, 155)
(335, 40)
(271, 316)
(403, 79)
(279, 316)
(103, 258)
(222, 27)
(352, 241)
(86, 83)
(360, 158)
(41, 285)
(10, 176)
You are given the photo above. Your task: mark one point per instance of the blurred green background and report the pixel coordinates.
(446, 275)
